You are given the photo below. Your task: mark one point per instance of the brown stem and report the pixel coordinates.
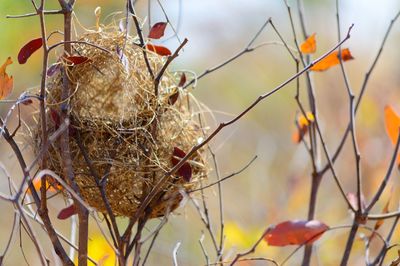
(349, 244)
(141, 38)
(162, 181)
(83, 213)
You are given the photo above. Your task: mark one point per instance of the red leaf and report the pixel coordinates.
(27, 101)
(157, 31)
(55, 117)
(185, 170)
(67, 212)
(182, 81)
(173, 98)
(296, 232)
(77, 60)
(158, 49)
(29, 49)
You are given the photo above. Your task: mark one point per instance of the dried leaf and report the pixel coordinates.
(302, 124)
(309, 46)
(296, 232)
(182, 81)
(6, 82)
(67, 212)
(27, 101)
(331, 60)
(29, 49)
(158, 49)
(77, 59)
(157, 31)
(173, 97)
(392, 124)
(185, 170)
(51, 184)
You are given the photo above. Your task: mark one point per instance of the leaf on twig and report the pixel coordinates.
(158, 49)
(295, 232)
(157, 30)
(173, 97)
(332, 60)
(26, 101)
(392, 125)
(67, 212)
(185, 170)
(182, 81)
(309, 46)
(6, 82)
(29, 49)
(51, 184)
(77, 59)
(302, 123)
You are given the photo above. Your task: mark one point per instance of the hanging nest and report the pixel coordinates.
(122, 136)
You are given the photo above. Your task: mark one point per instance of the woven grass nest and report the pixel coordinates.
(130, 134)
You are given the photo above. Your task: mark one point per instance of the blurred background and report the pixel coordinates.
(276, 186)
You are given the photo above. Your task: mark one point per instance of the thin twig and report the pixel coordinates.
(247, 49)
(386, 178)
(141, 38)
(221, 126)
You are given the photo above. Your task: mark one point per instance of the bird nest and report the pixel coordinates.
(123, 137)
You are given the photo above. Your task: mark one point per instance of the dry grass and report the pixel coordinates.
(128, 132)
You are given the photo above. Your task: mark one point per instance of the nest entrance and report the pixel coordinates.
(126, 132)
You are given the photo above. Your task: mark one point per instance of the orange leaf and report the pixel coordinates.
(296, 232)
(332, 60)
(158, 49)
(6, 82)
(309, 46)
(302, 124)
(29, 49)
(392, 124)
(51, 184)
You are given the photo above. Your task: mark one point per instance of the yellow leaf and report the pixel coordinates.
(6, 82)
(309, 46)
